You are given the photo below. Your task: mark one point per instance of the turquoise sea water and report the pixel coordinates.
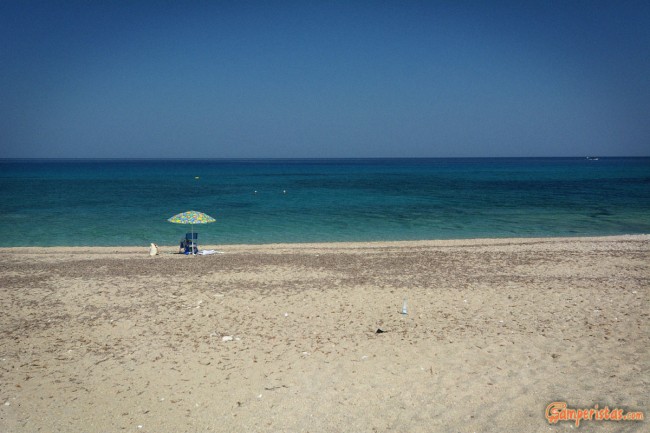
(127, 202)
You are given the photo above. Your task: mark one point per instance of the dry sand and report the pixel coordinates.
(112, 340)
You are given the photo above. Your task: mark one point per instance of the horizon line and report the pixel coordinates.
(304, 158)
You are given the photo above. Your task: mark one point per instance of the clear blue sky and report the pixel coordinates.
(259, 79)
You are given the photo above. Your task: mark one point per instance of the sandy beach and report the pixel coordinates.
(283, 338)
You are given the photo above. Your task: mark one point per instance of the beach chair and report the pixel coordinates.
(191, 243)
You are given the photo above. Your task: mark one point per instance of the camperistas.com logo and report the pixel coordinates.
(559, 411)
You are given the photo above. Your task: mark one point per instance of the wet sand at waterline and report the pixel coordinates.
(283, 338)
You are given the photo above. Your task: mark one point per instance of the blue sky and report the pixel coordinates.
(247, 79)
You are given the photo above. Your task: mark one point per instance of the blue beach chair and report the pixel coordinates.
(190, 243)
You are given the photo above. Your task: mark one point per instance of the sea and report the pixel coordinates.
(261, 201)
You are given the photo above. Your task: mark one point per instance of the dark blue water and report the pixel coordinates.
(122, 202)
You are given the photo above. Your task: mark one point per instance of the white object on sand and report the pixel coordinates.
(227, 338)
(208, 252)
(153, 250)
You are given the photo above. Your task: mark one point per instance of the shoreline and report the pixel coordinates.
(283, 337)
(167, 249)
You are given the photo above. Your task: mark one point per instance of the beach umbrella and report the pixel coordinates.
(191, 217)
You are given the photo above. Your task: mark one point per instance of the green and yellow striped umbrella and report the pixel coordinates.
(191, 217)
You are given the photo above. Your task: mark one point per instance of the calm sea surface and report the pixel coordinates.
(127, 202)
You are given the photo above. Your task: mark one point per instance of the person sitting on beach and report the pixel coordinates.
(183, 248)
